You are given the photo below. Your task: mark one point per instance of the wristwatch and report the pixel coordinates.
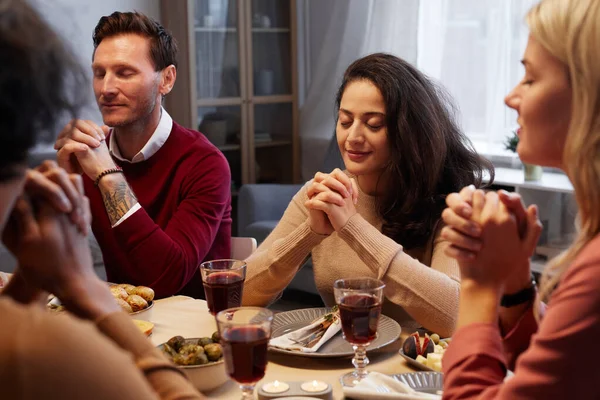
(523, 296)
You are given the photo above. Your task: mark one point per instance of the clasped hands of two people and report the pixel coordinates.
(48, 226)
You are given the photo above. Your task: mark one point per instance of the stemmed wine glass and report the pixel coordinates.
(245, 334)
(359, 301)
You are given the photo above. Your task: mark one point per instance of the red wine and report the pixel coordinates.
(359, 314)
(223, 290)
(245, 351)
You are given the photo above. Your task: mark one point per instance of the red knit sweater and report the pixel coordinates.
(185, 193)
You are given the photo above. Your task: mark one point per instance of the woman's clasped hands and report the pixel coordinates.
(332, 200)
(492, 236)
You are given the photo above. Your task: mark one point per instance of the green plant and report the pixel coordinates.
(511, 142)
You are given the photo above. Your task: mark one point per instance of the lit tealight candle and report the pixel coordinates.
(314, 386)
(275, 387)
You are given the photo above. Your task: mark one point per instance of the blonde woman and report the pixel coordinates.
(558, 103)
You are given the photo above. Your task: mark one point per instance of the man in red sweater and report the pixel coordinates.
(159, 193)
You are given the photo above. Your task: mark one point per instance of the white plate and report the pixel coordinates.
(388, 332)
(426, 382)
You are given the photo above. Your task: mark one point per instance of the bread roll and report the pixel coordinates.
(144, 292)
(118, 292)
(128, 288)
(136, 302)
(125, 306)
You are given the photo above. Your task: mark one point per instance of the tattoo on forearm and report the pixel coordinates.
(118, 200)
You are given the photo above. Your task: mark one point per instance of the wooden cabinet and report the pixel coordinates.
(237, 82)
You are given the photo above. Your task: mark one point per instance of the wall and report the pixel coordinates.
(75, 21)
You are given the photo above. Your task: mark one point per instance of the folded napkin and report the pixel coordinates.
(310, 338)
(378, 386)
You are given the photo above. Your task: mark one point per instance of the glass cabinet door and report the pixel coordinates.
(272, 123)
(222, 125)
(217, 48)
(273, 127)
(271, 47)
(219, 88)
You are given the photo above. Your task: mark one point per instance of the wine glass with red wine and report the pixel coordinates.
(245, 334)
(359, 301)
(223, 283)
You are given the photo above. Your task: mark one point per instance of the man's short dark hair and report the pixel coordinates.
(163, 47)
(39, 81)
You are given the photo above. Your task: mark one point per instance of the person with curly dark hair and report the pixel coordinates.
(403, 153)
(96, 353)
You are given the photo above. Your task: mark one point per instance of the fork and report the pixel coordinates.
(310, 337)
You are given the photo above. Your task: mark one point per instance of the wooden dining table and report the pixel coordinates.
(188, 317)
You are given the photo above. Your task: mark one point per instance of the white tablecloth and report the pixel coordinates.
(180, 315)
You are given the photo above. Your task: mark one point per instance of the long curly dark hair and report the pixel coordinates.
(430, 156)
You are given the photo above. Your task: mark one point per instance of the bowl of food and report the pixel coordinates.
(425, 351)
(201, 359)
(137, 301)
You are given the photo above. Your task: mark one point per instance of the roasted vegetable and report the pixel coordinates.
(176, 342)
(191, 349)
(216, 337)
(169, 351)
(214, 351)
(204, 341)
(195, 358)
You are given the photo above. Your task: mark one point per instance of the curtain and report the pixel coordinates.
(473, 48)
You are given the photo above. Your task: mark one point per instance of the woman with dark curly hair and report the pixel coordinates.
(403, 153)
(44, 217)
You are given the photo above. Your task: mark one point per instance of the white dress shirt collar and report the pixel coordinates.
(156, 141)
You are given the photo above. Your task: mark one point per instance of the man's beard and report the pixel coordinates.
(142, 112)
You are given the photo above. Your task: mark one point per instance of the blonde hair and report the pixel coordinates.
(570, 31)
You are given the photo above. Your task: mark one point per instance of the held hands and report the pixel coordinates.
(492, 237)
(331, 201)
(82, 148)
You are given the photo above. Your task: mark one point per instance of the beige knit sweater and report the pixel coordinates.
(422, 285)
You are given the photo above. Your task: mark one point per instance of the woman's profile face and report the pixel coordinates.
(543, 101)
(361, 130)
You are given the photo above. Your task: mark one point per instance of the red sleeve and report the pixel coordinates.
(518, 339)
(168, 259)
(559, 363)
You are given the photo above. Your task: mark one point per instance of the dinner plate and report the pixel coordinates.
(426, 382)
(387, 332)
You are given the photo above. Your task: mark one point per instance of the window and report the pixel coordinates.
(473, 48)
